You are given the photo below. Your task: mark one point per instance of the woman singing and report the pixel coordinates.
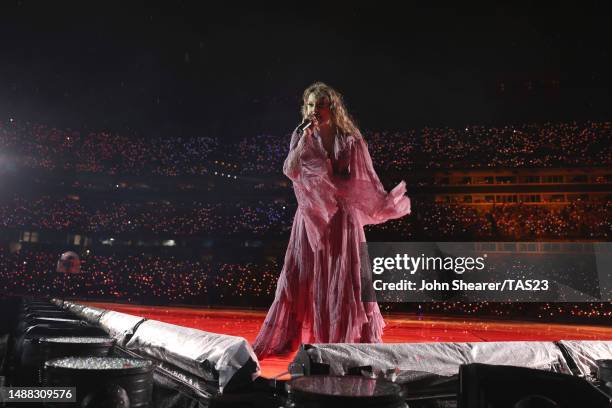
(318, 295)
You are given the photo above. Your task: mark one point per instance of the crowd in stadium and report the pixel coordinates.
(38, 146)
(579, 219)
(142, 277)
(154, 217)
(150, 278)
(273, 218)
(560, 144)
(543, 145)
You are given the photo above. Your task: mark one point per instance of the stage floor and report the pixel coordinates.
(400, 328)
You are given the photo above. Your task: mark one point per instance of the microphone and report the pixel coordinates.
(305, 125)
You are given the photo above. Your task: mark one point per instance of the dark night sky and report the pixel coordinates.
(184, 68)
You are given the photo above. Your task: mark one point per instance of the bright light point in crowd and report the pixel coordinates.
(11, 119)
(169, 242)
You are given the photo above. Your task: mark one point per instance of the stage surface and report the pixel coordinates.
(401, 328)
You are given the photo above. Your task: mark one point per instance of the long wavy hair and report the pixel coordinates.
(340, 116)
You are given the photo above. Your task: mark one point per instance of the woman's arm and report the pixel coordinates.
(375, 203)
(291, 167)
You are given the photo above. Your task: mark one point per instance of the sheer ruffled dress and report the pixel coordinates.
(318, 295)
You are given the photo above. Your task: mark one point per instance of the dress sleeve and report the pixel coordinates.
(289, 172)
(375, 205)
(314, 190)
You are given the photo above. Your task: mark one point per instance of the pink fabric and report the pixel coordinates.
(318, 295)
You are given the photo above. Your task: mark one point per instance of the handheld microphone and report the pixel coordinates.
(305, 125)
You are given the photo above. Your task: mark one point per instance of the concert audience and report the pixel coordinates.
(530, 145)
(273, 218)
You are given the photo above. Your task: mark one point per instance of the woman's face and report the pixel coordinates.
(320, 108)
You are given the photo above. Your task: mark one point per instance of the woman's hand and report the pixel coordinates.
(291, 167)
(308, 132)
(314, 119)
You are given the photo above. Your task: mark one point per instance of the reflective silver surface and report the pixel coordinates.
(97, 363)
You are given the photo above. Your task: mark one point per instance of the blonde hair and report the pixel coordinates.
(340, 117)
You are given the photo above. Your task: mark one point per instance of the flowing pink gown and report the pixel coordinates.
(318, 294)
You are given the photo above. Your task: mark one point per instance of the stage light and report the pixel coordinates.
(492, 386)
(103, 381)
(325, 390)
